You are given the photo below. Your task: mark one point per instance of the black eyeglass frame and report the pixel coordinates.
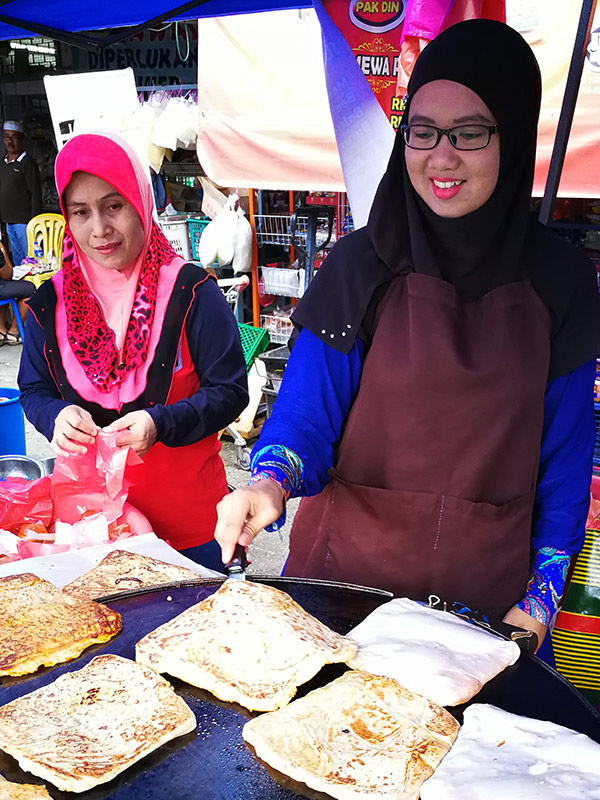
(491, 130)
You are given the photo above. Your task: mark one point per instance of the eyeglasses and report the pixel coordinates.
(462, 137)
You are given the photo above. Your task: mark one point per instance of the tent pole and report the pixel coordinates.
(565, 120)
(254, 276)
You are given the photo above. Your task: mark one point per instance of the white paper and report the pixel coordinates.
(63, 568)
(20, 270)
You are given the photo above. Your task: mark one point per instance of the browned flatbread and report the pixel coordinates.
(120, 570)
(360, 736)
(41, 626)
(22, 791)
(90, 725)
(247, 643)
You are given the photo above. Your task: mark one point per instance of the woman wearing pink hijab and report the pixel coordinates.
(129, 337)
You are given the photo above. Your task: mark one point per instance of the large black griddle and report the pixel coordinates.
(214, 763)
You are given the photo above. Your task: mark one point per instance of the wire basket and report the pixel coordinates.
(254, 342)
(279, 328)
(176, 232)
(195, 229)
(275, 229)
(283, 281)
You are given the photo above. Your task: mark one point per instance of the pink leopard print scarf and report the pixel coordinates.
(92, 341)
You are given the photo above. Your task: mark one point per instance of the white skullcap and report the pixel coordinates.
(12, 125)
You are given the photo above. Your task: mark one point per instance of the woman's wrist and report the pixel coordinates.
(268, 475)
(546, 585)
(280, 465)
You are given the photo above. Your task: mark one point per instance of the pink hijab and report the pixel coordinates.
(110, 313)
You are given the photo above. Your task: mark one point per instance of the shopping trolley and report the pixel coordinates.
(254, 342)
(232, 289)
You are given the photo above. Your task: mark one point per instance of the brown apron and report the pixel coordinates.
(433, 488)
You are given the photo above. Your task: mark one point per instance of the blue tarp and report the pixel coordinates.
(24, 18)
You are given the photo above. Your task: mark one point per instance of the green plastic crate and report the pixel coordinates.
(254, 341)
(195, 228)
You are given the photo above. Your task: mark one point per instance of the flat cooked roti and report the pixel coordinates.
(431, 652)
(502, 756)
(120, 570)
(90, 725)
(41, 626)
(360, 736)
(22, 791)
(247, 643)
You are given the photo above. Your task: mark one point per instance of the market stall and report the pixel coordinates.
(212, 760)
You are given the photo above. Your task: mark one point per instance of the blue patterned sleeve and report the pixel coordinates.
(297, 444)
(563, 488)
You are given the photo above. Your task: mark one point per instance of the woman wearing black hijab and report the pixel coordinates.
(437, 411)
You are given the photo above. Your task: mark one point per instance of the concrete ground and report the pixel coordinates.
(269, 550)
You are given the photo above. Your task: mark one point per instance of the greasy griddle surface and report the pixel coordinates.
(214, 762)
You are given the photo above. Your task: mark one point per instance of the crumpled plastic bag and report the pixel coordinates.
(84, 498)
(23, 502)
(176, 123)
(92, 480)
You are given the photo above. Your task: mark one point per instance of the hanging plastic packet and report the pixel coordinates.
(227, 239)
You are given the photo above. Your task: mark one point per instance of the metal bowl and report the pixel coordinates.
(21, 467)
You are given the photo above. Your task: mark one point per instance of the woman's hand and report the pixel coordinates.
(140, 431)
(244, 512)
(516, 616)
(74, 429)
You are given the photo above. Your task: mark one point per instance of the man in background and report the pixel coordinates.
(20, 190)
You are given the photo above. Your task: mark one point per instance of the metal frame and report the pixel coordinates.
(85, 40)
(565, 120)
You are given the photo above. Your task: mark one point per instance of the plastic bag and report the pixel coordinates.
(242, 258)
(209, 242)
(84, 500)
(93, 480)
(23, 501)
(227, 239)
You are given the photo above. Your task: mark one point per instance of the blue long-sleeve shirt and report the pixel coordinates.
(321, 384)
(216, 351)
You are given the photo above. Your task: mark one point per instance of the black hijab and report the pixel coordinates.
(498, 243)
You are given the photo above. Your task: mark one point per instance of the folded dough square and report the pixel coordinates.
(120, 570)
(22, 791)
(430, 652)
(246, 643)
(41, 626)
(503, 756)
(90, 725)
(360, 736)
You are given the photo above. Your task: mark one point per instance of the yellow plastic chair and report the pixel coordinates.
(48, 230)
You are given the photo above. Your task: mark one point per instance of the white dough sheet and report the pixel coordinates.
(63, 568)
(502, 756)
(430, 652)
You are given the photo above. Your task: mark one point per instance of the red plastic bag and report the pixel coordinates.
(23, 501)
(92, 481)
